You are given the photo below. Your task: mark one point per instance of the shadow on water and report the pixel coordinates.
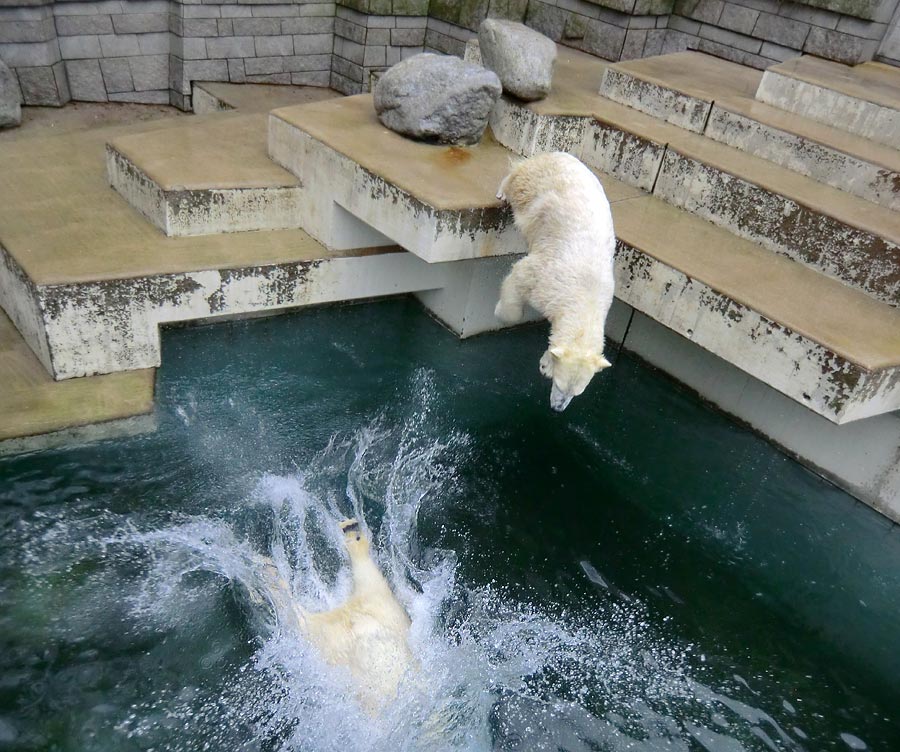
(637, 573)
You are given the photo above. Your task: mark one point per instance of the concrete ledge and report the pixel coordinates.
(32, 404)
(863, 458)
(526, 132)
(842, 235)
(113, 325)
(18, 296)
(632, 158)
(391, 185)
(658, 101)
(832, 349)
(715, 97)
(785, 222)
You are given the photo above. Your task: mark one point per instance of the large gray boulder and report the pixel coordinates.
(437, 98)
(10, 109)
(523, 58)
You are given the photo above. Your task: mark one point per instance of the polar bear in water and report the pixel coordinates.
(366, 634)
(567, 276)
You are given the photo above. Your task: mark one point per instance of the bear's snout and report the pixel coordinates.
(559, 400)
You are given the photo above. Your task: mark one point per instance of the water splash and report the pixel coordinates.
(494, 670)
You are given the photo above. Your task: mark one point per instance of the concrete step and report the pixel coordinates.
(679, 88)
(841, 235)
(209, 175)
(557, 122)
(862, 99)
(826, 154)
(830, 348)
(438, 202)
(715, 97)
(88, 282)
(210, 97)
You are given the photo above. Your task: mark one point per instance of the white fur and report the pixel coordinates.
(567, 276)
(366, 634)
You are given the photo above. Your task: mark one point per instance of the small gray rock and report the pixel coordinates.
(437, 98)
(523, 58)
(10, 108)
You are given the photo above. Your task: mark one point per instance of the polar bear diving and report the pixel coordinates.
(562, 211)
(367, 633)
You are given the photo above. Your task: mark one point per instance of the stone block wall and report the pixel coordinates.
(249, 42)
(762, 32)
(367, 43)
(114, 50)
(152, 50)
(758, 33)
(29, 46)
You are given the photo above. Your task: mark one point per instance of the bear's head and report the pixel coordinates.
(572, 371)
(357, 544)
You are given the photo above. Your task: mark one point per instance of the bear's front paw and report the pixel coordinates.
(546, 365)
(501, 195)
(509, 314)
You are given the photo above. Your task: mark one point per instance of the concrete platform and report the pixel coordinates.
(829, 347)
(205, 177)
(862, 99)
(851, 239)
(438, 202)
(32, 403)
(212, 175)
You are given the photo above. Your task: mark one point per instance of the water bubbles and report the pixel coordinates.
(854, 742)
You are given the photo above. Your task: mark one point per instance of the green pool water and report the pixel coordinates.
(636, 573)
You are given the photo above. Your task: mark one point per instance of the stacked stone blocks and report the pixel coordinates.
(760, 33)
(287, 43)
(365, 44)
(152, 50)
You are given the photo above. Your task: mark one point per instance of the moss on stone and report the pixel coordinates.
(444, 10)
(380, 7)
(410, 7)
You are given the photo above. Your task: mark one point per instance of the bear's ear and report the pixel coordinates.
(557, 352)
(600, 362)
